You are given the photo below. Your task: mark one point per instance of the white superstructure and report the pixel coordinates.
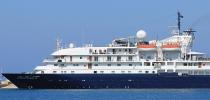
(130, 55)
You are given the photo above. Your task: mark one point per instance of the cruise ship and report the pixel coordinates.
(125, 63)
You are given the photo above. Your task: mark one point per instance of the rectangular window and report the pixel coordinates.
(95, 58)
(71, 58)
(59, 60)
(55, 64)
(95, 64)
(114, 51)
(62, 65)
(62, 57)
(118, 58)
(109, 58)
(130, 58)
(64, 72)
(129, 64)
(113, 71)
(170, 63)
(75, 64)
(130, 51)
(101, 71)
(146, 63)
(109, 65)
(42, 72)
(54, 72)
(140, 63)
(118, 64)
(153, 72)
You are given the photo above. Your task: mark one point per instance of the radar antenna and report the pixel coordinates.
(179, 21)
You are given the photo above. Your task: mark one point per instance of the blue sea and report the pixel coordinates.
(115, 94)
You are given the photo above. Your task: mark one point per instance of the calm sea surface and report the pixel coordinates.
(121, 94)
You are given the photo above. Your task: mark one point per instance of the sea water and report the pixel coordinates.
(103, 94)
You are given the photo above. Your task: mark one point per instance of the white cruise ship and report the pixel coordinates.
(125, 63)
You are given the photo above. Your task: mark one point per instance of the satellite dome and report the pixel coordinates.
(141, 34)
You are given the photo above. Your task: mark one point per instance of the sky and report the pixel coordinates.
(29, 28)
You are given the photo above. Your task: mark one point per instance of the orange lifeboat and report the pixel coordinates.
(171, 46)
(146, 46)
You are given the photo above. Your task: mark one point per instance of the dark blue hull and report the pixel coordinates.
(103, 81)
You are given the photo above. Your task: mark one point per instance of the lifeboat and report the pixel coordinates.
(171, 46)
(147, 46)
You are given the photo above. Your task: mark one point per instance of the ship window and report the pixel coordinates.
(101, 71)
(129, 64)
(95, 58)
(54, 72)
(118, 64)
(108, 58)
(70, 58)
(109, 65)
(62, 65)
(170, 71)
(195, 64)
(95, 72)
(118, 58)
(170, 63)
(129, 71)
(95, 64)
(147, 64)
(113, 71)
(64, 72)
(42, 72)
(72, 71)
(122, 71)
(130, 51)
(140, 64)
(153, 72)
(80, 57)
(140, 71)
(161, 71)
(114, 51)
(146, 72)
(100, 51)
(207, 72)
(75, 64)
(130, 58)
(190, 64)
(55, 64)
(126, 50)
(59, 60)
(185, 64)
(62, 57)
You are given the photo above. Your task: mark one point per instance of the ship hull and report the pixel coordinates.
(107, 81)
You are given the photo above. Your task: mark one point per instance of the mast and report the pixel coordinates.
(58, 44)
(179, 22)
